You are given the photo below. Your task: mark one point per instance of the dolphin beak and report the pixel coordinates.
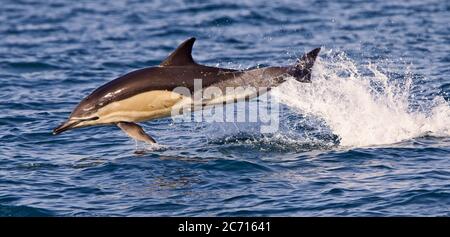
(69, 124)
(66, 126)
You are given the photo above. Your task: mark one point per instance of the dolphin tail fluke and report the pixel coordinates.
(136, 132)
(303, 68)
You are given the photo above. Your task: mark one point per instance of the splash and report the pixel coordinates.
(146, 148)
(363, 106)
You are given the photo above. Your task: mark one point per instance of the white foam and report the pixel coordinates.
(364, 109)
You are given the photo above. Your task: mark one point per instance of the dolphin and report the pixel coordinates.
(150, 93)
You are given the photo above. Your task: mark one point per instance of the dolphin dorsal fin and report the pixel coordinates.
(182, 56)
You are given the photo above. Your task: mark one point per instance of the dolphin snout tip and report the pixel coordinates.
(55, 132)
(64, 127)
(58, 129)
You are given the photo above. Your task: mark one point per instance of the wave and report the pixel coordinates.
(24, 211)
(365, 106)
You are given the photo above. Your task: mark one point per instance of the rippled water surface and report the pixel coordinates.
(370, 136)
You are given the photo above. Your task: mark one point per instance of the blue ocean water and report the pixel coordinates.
(369, 137)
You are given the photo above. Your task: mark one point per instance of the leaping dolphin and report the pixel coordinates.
(148, 93)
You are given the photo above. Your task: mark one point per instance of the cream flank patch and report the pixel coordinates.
(231, 96)
(141, 107)
(156, 104)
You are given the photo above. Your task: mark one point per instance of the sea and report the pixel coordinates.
(369, 136)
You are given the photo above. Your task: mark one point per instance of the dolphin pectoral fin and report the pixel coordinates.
(136, 132)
